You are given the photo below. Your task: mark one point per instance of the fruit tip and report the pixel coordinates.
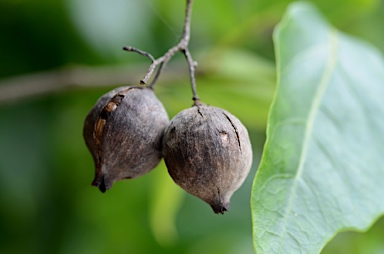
(220, 208)
(100, 183)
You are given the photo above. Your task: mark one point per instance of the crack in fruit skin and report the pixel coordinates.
(235, 129)
(98, 132)
(208, 153)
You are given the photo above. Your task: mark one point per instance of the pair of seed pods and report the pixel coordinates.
(206, 149)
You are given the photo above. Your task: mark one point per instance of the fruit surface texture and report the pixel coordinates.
(123, 132)
(208, 153)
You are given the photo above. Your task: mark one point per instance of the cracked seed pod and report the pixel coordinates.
(208, 153)
(123, 132)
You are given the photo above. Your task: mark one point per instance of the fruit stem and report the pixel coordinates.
(182, 47)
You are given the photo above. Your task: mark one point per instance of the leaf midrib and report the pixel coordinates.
(324, 82)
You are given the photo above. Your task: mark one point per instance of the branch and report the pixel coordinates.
(182, 46)
(76, 77)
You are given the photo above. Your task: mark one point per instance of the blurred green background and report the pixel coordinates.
(47, 202)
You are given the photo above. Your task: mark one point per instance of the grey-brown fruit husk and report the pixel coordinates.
(208, 153)
(123, 132)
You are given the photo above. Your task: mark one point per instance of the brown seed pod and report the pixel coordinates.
(123, 132)
(208, 153)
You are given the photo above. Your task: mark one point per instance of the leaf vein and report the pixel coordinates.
(324, 82)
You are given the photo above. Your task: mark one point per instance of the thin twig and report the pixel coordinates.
(157, 75)
(151, 70)
(192, 65)
(182, 46)
(143, 53)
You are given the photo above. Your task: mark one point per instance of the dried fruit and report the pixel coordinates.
(208, 153)
(123, 132)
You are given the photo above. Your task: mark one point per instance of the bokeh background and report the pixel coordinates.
(56, 59)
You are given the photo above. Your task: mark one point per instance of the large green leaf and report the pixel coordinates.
(322, 170)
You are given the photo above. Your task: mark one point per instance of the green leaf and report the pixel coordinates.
(322, 168)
